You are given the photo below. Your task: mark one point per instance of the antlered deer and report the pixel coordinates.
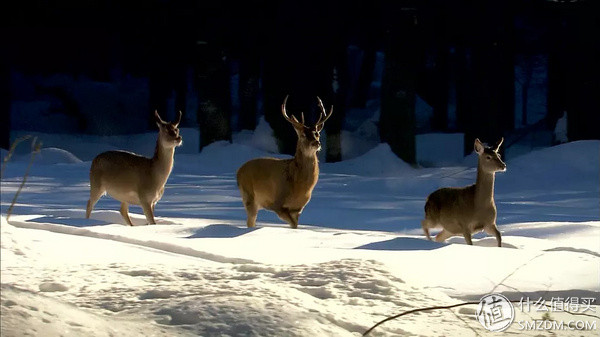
(284, 186)
(134, 179)
(466, 210)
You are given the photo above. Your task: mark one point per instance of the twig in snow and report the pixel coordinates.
(417, 310)
(35, 149)
(455, 306)
(11, 151)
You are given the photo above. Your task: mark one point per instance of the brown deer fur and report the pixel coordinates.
(467, 210)
(283, 186)
(134, 179)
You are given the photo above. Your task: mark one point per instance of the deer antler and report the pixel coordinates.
(176, 123)
(323, 117)
(293, 119)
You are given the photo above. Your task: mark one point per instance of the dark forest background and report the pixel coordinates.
(444, 51)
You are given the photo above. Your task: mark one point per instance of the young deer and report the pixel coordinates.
(284, 186)
(134, 179)
(466, 210)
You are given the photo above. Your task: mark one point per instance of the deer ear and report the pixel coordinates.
(497, 146)
(479, 146)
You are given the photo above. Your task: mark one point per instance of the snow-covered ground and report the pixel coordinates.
(358, 256)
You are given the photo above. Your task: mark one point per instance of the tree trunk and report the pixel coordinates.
(338, 84)
(214, 98)
(365, 77)
(580, 21)
(402, 55)
(4, 107)
(525, 92)
(248, 89)
(485, 104)
(301, 63)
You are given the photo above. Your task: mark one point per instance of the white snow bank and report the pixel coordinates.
(52, 155)
(380, 161)
(86, 147)
(219, 157)
(261, 138)
(579, 156)
(201, 272)
(29, 313)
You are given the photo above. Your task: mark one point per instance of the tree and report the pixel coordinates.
(214, 96)
(573, 71)
(402, 56)
(368, 32)
(4, 107)
(485, 87)
(248, 19)
(433, 79)
(305, 61)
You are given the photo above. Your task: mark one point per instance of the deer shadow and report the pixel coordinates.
(403, 243)
(220, 231)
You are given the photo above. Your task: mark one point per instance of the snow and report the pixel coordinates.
(358, 256)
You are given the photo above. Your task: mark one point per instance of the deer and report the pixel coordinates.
(470, 209)
(284, 186)
(134, 179)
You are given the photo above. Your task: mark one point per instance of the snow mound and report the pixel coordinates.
(50, 156)
(220, 157)
(380, 161)
(574, 156)
(572, 165)
(261, 138)
(28, 313)
(356, 143)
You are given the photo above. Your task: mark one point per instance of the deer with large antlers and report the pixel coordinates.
(134, 179)
(466, 210)
(284, 186)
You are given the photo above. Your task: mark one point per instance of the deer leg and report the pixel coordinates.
(285, 215)
(294, 215)
(95, 194)
(125, 213)
(147, 207)
(425, 225)
(251, 212)
(443, 235)
(251, 208)
(467, 235)
(493, 230)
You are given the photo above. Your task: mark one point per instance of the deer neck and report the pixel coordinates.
(484, 186)
(306, 166)
(162, 162)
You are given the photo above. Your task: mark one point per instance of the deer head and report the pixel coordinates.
(308, 137)
(168, 134)
(489, 158)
